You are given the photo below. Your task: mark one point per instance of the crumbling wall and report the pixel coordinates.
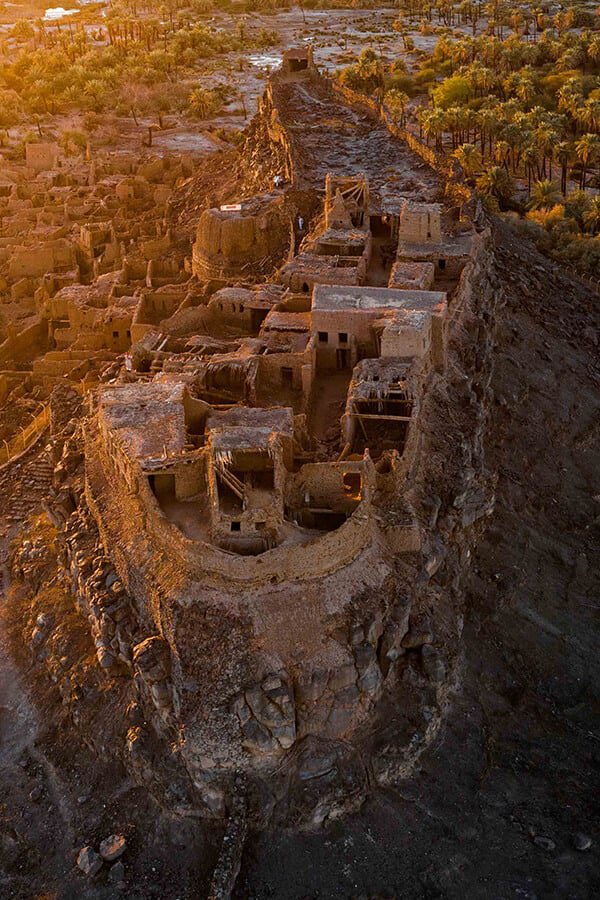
(41, 156)
(20, 345)
(200, 561)
(269, 373)
(242, 244)
(37, 260)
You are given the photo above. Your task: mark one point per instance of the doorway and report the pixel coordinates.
(342, 358)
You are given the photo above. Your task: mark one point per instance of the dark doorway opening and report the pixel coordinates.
(381, 227)
(321, 519)
(257, 317)
(352, 483)
(298, 65)
(162, 485)
(343, 358)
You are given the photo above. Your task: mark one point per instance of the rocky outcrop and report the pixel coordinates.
(267, 715)
(152, 665)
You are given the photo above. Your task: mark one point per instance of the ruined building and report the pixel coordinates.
(254, 460)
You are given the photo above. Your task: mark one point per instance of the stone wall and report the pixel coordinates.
(38, 260)
(241, 244)
(19, 345)
(269, 378)
(322, 556)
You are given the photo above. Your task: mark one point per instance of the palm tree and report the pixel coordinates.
(591, 216)
(433, 123)
(502, 153)
(564, 155)
(495, 185)
(570, 96)
(546, 140)
(586, 149)
(588, 115)
(530, 158)
(544, 195)
(593, 50)
(487, 119)
(397, 101)
(469, 158)
(576, 204)
(526, 88)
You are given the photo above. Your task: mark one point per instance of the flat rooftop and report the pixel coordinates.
(397, 319)
(451, 246)
(336, 297)
(248, 428)
(280, 320)
(277, 418)
(148, 418)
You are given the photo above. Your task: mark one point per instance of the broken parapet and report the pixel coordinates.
(246, 239)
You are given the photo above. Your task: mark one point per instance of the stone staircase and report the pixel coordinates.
(25, 484)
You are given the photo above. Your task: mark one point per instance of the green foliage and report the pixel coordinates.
(22, 31)
(470, 159)
(11, 108)
(366, 75)
(544, 195)
(141, 67)
(495, 185)
(455, 90)
(73, 141)
(205, 103)
(396, 101)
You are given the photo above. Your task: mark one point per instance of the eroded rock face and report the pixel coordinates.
(267, 715)
(333, 701)
(152, 665)
(99, 592)
(324, 779)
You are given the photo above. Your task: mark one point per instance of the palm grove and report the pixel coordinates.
(514, 96)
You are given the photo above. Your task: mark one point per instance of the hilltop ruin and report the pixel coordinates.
(265, 443)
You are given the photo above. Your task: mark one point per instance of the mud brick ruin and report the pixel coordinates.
(253, 496)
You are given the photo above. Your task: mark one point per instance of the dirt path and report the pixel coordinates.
(331, 136)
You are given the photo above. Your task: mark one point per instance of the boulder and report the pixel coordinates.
(112, 847)
(89, 861)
